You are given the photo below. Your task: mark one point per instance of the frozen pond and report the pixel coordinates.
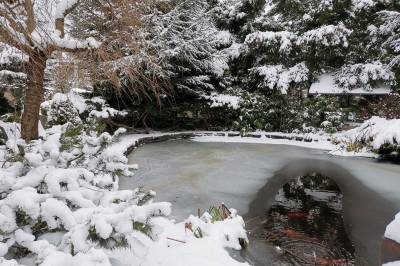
(195, 175)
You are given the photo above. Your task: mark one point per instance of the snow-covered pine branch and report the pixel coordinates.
(367, 76)
(283, 41)
(329, 35)
(280, 78)
(186, 44)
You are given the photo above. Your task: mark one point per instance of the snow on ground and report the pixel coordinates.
(178, 245)
(393, 229)
(377, 131)
(368, 137)
(361, 141)
(326, 85)
(315, 141)
(393, 263)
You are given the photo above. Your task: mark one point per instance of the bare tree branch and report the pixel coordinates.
(30, 21)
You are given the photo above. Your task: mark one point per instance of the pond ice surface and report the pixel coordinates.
(195, 175)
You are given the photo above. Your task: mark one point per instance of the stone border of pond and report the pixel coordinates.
(159, 137)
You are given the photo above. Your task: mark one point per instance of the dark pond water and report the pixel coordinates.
(306, 225)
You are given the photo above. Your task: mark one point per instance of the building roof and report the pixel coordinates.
(326, 85)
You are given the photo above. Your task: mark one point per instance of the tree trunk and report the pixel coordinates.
(34, 96)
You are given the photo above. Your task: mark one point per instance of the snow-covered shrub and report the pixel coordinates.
(322, 112)
(359, 5)
(366, 76)
(378, 135)
(257, 112)
(74, 109)
(65, 184)
(252, 111)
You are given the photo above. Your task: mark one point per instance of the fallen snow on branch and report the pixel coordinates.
(218, 100)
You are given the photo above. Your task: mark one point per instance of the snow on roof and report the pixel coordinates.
(326, 85)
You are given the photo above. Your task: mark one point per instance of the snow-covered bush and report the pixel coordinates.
(10, 56)
(256, 112)
(359, 5)
(64, 185)
(366, 76)
(322, 112)
(378, 135)
(73, 109)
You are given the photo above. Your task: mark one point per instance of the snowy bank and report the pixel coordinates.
(393, 229)
(375, 136)
(313, 141)
(195, 242)
(392, 232)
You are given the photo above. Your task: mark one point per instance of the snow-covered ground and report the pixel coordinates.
(313, 141)
(393, 229)
(368, 137)
(177, 245)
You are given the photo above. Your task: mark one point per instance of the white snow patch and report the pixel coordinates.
(326, 85)
(393, 229)
(218, 100)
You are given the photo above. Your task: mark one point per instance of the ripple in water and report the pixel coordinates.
(306, 224)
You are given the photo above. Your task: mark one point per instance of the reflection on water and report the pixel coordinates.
(306, 224)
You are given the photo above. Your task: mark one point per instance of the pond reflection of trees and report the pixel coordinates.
(306, 223)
